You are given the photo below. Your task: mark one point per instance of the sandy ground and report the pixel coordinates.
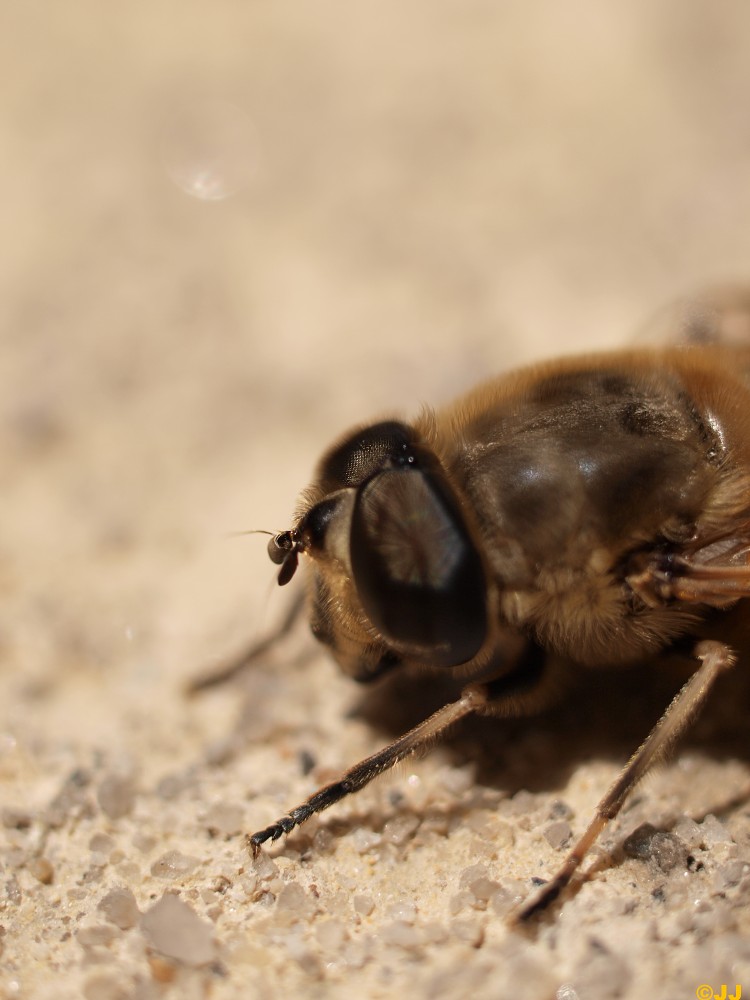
(412, 196)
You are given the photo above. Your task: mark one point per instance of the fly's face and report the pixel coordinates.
(396, 574)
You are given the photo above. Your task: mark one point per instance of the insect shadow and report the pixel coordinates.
(602, 716)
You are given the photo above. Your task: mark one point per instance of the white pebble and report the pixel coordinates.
(293, 899)
(558, 834)
(264, 867)
(401, 934)
(714, 832)
(365, 840)
(173, 865)
(120, 908)
(404, 911)
(174, 929)
(688, 831)
(397, 831)
(457, 780)
(95, 937)
(116, 795)
(364, 905)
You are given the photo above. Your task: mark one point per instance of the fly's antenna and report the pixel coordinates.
(252, 531)
(283, 550)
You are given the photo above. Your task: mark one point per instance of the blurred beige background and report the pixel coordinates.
(411, 196)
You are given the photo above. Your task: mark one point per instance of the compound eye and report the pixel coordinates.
(365, 453)
(418, 576)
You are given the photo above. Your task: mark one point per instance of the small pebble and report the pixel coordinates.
(42, 870)
(730, 874)
(481, 821)
(275, 885)
(144, 842)
(404, 911)
(13, 890)
(483, 889)
(174, 929)
(293, 899)
(460, 901)
(116, 795)
(365, 840)
(457, 780)
(96, 937)
(264, 867)
(472, 873)
(714, 832)
(120, 908)
(558, 834)
(246, 885)
(101, 846)
(397, 831)
(401, 934)
(173, 865)
(323, 841)
(509, 894)
(364, 905)
(668, 852)
(665, 850)
(638, 844)
(560, 810)
(172, 785)
(522, 803)
(128, 871)
(688, 831)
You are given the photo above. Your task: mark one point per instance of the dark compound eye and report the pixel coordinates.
(366, 452)
(417, 573)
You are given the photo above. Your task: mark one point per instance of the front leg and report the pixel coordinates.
(473, 698)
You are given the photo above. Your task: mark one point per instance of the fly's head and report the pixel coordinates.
(396, 575)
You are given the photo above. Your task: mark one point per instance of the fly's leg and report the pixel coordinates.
(472, 699)
(233, 666)
(715, 658)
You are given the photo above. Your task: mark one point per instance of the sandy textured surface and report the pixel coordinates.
(418, 194)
